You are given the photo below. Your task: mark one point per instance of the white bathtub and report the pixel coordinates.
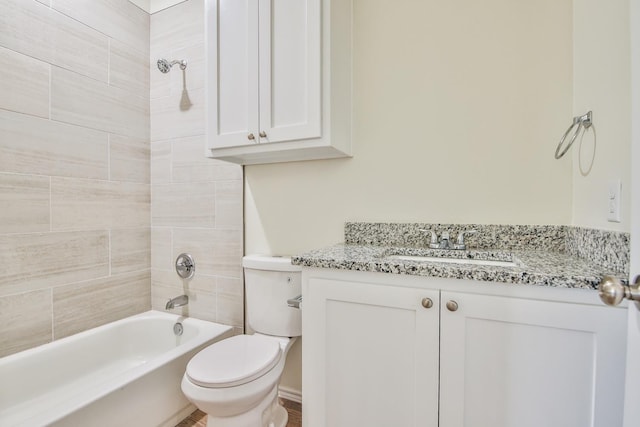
(125, 373)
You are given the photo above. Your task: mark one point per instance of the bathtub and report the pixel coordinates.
(125, 373)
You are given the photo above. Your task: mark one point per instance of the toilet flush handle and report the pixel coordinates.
(295, 302)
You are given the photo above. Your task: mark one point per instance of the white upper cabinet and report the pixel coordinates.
(278, 80)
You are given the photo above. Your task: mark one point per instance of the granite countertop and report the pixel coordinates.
(532, 267)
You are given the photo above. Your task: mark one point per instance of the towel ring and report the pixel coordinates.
(579, 122)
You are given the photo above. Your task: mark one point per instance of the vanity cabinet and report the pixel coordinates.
(278, 84)
(381, 350)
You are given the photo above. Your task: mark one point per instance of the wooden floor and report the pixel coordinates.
(199, 419)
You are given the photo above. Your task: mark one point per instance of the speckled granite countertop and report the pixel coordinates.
(532, 267)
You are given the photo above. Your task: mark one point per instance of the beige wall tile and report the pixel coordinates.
(85, 102)
(38, 146)
(198, 283)
(35, 30)
(216, 252)
(25, 320)
(180, 205)
(193, 77)
(201, 304)
(129, 68)
(130, 250)
(230, 286)
(35, 261)
(229, 204)
(178, 27)
(230, 310)
(178, 116)
(24, 84)
(82, 306)
(161, 255)
(25, 200)
(161, 162)
(189, 163)
(80, 204)
(129, 159)
(119, 19)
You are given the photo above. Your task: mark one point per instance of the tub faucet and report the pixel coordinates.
(177, 302)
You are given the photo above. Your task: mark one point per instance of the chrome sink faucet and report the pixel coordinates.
(445, 240)
(177, 302)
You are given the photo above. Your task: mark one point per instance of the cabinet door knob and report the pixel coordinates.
(427, 302)
(452, 305)
(263, 134)
(250, 137)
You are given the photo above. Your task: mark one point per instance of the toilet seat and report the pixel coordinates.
(234, 361)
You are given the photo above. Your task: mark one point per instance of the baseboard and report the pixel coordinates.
(290, 394)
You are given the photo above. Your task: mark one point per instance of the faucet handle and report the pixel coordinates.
(460, 243)
(433, 244)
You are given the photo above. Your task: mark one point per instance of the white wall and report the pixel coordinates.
(602, 83)
(458, 109)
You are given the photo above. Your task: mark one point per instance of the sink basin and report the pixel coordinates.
(467, 261)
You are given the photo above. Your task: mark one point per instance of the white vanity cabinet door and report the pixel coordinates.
(511, 362)
(370, 355)
(232, 68)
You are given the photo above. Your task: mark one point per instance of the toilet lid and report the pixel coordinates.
(234, 361)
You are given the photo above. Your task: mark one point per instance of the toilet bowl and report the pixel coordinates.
(235, 381)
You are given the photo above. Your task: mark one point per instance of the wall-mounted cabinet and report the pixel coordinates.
(278, 84)
(383, 350)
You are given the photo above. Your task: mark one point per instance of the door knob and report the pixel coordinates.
(452, 305)
(612, 291)
(427, 302)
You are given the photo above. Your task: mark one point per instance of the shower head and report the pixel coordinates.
(165, 66)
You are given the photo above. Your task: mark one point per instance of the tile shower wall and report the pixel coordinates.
(196, 202)
(74, 167)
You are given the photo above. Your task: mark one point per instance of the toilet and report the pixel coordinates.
(235, 381)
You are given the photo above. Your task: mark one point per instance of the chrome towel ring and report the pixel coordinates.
(579, 123)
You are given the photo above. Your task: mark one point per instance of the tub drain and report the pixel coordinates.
(178, 329)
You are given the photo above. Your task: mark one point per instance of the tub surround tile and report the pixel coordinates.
(26, 321)
(161, 243)
(230, 309)
(198, 283)
(24, 84)
(119, 19)
(228, 204)
(25, 203)
(216, 252)
(79, 204)
(33, 145)
(35, 30)
(179, 205)
(189, 164)
(178, 116)
(177, 27)
(129, 159)
(36, 261)
(201, 305)
(130, 250)
(539, 252)
(86, 102)
(86, 305)
(129, 68)
(161, 162)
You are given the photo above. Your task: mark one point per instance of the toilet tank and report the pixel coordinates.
(269, 282)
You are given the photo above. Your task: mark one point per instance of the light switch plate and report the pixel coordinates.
(613, 200)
